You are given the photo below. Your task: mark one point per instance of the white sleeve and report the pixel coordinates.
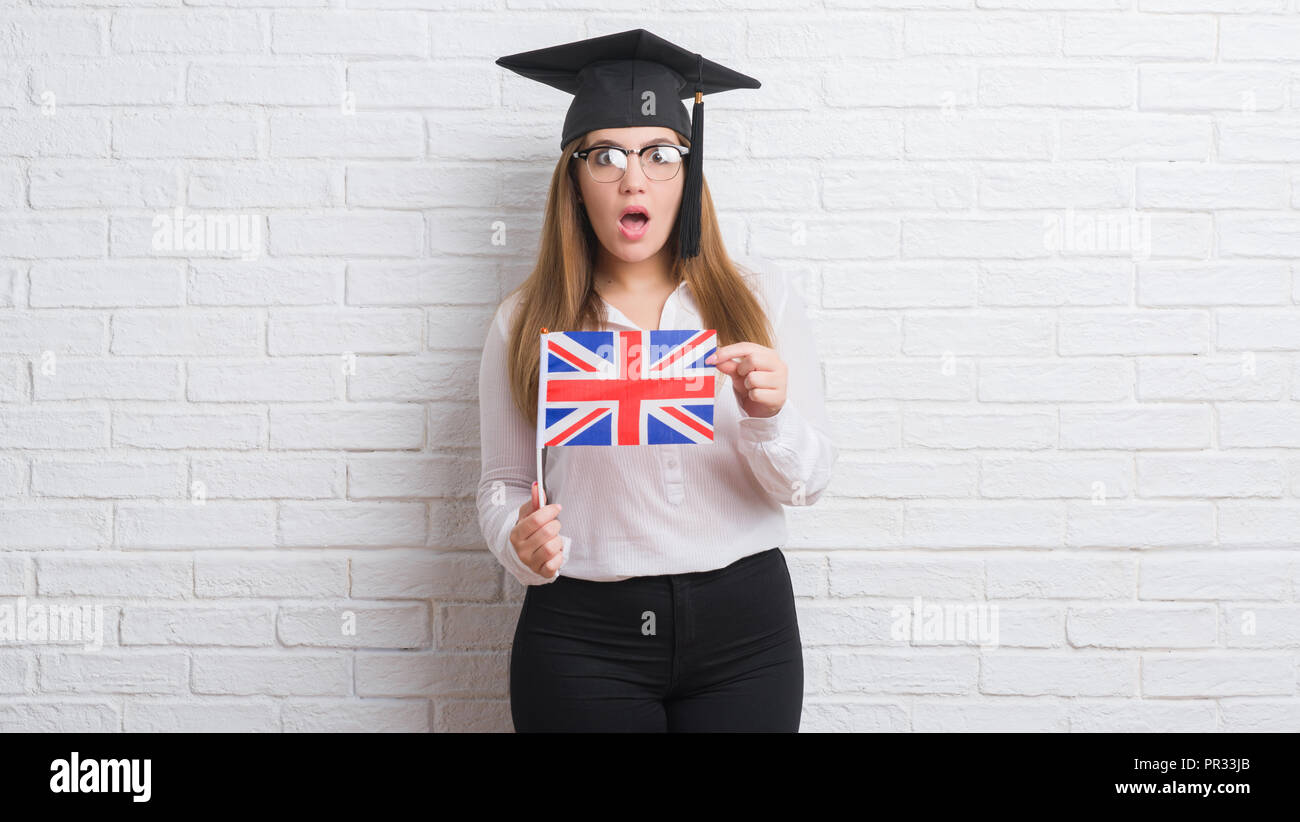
(791, 453)
(507, 445)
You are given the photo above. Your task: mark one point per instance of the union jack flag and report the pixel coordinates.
(626, 387)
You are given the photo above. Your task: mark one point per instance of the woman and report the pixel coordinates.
(666, 604)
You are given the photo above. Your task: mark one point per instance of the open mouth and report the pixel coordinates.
(633, 222)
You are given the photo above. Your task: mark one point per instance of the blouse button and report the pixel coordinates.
(672, 463)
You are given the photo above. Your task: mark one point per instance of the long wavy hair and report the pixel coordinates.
(559, 295)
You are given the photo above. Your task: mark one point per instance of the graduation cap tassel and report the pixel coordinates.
(691, 208)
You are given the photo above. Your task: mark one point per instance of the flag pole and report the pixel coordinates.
(541, 488)
(541, 420)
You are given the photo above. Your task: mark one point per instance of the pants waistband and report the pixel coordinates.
(687, 576)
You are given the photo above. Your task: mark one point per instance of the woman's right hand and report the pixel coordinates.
(536, 536)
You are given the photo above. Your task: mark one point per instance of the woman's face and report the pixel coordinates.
(627, 237)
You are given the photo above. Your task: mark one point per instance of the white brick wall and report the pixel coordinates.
(1052, 249)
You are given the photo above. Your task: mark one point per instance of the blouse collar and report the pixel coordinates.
(678, 301)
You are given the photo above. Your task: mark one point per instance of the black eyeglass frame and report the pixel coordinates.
(639, 152)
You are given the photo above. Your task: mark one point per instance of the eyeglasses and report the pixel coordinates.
(608, 164)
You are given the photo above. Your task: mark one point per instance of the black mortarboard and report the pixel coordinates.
(609, 78)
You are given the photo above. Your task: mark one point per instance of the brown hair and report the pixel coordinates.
(559, 295)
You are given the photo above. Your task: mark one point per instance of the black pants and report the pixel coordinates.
(704, 651)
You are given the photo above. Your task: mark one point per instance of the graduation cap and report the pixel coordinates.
(635, 78)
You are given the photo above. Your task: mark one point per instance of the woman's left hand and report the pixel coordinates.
(758, 376)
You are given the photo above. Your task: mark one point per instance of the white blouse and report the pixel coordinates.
(634, 510)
